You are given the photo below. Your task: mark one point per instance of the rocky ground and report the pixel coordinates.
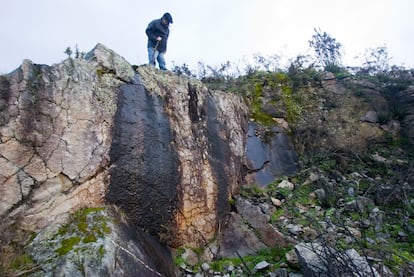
(349, 210)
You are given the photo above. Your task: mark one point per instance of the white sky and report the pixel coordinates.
(210, 31)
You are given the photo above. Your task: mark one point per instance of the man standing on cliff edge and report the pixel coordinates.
(158, 32)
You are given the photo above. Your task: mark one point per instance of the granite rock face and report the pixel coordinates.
(92, 132)
(406, 102)
(96, 242)
(55, 135)
(320, 260)
(177, 152)
(269, 154)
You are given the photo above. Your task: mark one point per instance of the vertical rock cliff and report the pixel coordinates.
(162, 147)
(55, 137)
(177, 155)
(164, 150)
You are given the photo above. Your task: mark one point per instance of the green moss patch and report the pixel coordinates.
(67, 245)
(82, 240)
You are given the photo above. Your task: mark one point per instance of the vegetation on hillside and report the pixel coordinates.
(365, 196)
(350, 198)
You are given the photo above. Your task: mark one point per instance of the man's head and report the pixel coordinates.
(167, 18)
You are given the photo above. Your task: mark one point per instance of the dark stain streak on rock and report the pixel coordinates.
(144, 176)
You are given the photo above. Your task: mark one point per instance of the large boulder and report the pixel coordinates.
(406, 103)
(92, 131)
(55, 136)
(320, 260)
(96, 242)
(166, 150)
(269, 154)
(177, 153)
(237, 238)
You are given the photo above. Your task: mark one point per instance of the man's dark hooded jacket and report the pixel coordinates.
(157, 29)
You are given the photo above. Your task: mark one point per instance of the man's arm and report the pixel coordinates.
(150, 31)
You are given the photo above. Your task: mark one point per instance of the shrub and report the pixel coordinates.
(327, 49)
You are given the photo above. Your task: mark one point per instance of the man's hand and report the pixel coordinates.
(159, 38)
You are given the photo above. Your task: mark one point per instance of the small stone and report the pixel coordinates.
(309, 234)
(366, 223)
(375, 210)
(295, 275)
(281, 272)
(402, 234)
(349, 240)
(312, 196)
(295, 229)
(326, 76)
(370, 240)
(312, 178)
(292, 258)
(356, 175)
(320, 193)
(379, 158)
(205, 267)
(351, 192)
(284, 265)
(354, 232)
(282, 123)
(276, 202)
(286, 185)
(323, 225)
(266, 208)
(262, 265)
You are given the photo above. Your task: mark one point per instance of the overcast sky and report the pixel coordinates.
(210, 31)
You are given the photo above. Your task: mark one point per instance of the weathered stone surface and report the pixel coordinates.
(56, 125)
(371, 117)
(269, 154)
(285, 184)
(237, 238)
(96, 243)
(178, 152)
(144, 176)
(406, 102)
(292, 258)
(57, 197)
(318, 260)
(332, 119)
(164, 148)
(110, 62)
(260, 223)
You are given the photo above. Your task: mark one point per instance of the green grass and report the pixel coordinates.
(274, 256)
(178, 259)
(276, 215)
